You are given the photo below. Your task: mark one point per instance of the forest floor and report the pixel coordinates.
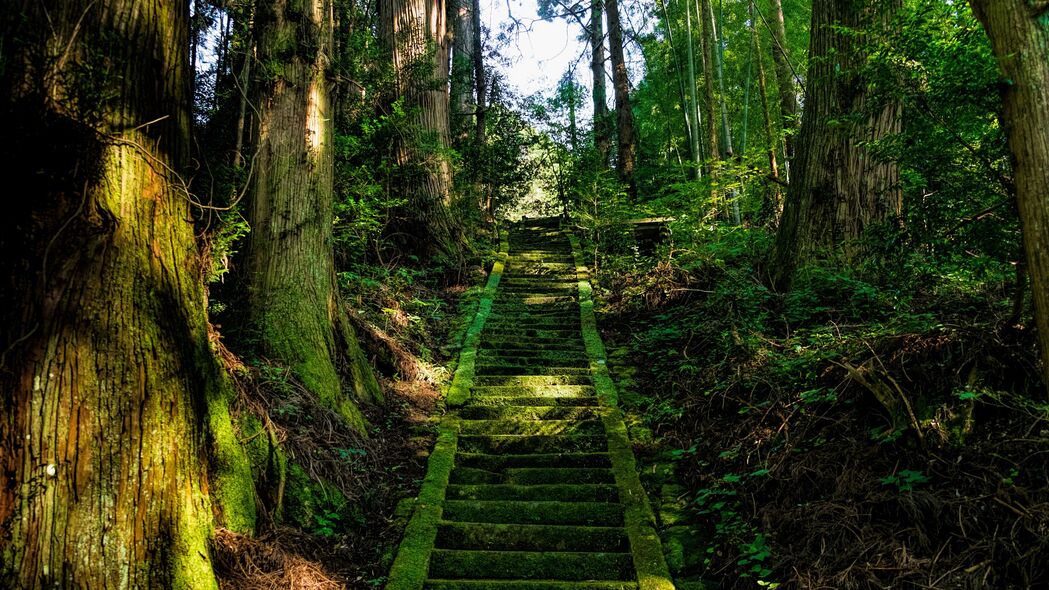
(342, 533)
(840, 436)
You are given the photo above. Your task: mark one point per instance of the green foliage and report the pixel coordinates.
(905, 480)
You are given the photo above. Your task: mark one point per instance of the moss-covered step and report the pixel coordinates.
(525, 565)
(516, 443)
(542, 492)
(529, 413)
(526, 585)
(531, 427)
(549, 330)
(530, 537)
(532, 380)
(548, 475)
(532, 353)
(569, 338)
(539, 390)
(505, 461)
(534, 512)
(510, 401)
(538, 369)
(497, 358)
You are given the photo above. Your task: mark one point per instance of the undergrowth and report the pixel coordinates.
(880, 425)
(329, 496)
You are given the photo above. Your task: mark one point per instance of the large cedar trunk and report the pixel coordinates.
(626, 158)
(109, 383)
(294, 304)
(462, 65)
(838, 187)
(1019, 34)
(602, 120)
(416, 36)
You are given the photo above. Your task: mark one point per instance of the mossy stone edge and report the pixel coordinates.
(639, 520)
(410, 567)
(462, 381)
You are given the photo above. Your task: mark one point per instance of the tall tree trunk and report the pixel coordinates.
(111, 394)
(481, 110)
(713, 153)
(697, 121)
(839, 188)
(726, 130)
(1019, 33)
(788, 96)
(772, 206)
(463, 50)
(602, 119)
(294, 303)
(416, 36)
(626, 159)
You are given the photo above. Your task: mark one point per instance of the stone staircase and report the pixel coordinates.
(532, 484)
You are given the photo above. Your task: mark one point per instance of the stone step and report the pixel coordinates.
(526, 585)
(529, 537)
(531, 427)
(534, 512)
(523, 443)
(504, 461)
(547, 492)
(534, 391)
(525, 565)
(530, 380)
(523, 401)
(532, 476)
(538, 369)
(528, 413)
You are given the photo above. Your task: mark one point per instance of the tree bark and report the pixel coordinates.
(626, 159)
(839, 188)
(294, 303)
(697, 120)
(602, 118)
(112, 395)
(1019, 34)
(463, 50)
(416, 36)
(788, 96)
(714, 155)
(772, 206)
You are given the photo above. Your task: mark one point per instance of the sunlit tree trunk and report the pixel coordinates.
(112, 397)
(602, 118)
(772, 207)
(697, 120)
(626, 158)
(463, 50)
(1019, 33)
(839, 188)
(295, 309)
(713, 153)
(788, 97)
(416, 36)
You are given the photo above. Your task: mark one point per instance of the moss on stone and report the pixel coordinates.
(413, 557)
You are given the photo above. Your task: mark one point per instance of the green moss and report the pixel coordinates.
(529, 565)
(315, 506)
(232, 485)
(473, 535)
(651, 566)
(540, 512)
(413, 557)
(459, 391)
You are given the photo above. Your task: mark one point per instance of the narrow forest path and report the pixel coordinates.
(532, 483)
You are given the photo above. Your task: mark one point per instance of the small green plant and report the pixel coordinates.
(906, 480)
